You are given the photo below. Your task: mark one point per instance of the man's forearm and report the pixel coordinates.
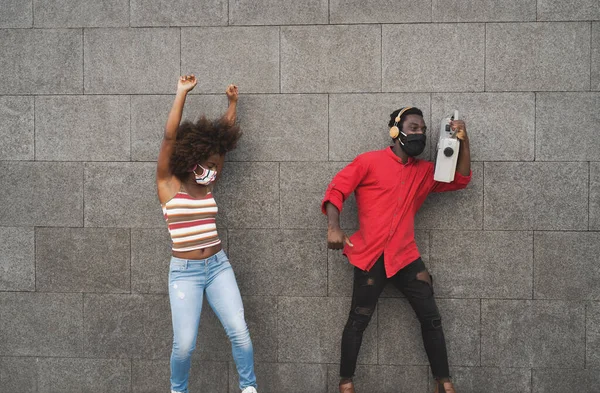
(333, 215)
(464, 158)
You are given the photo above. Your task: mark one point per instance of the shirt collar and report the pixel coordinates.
(390, 153)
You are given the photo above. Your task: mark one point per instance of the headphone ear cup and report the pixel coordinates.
(394, 132)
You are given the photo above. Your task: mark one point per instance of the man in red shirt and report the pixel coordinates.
(390, 186)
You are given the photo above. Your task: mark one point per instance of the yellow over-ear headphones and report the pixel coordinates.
(395, 131)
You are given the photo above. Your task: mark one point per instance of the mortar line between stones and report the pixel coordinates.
(129, 12)
(531, 380)
(83, 61)
(130, 263)
(83, 321)
(591, 47)
(328, 134)
(534, 124)
(279, 59)
(286, 162)
(180, 44)
(83, 197)
(480, 331)
(131, 375)
(328, 12)
(484, 52)
(585, 305)
(381, 58)
(34, 259)
(533, 265)
(228, 24)
(278, 194)
(34, 99)
(483, 196)
(130, 149)
(589, 192)
(32, 18)
(296, 93)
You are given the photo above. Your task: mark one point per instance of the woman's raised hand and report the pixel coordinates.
(232, 93)
(186, 83)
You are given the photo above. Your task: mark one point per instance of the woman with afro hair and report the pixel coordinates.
(190, 161)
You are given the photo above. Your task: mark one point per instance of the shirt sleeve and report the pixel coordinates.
(344, 184)
(459, 182)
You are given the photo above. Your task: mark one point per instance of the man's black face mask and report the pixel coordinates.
(412, 144)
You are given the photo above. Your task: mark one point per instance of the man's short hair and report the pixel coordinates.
(411, 111)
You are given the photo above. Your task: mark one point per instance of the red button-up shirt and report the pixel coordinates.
(388, 195)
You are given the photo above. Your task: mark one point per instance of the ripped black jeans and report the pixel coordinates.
(415, 283)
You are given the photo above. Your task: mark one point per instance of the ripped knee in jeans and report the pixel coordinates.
(425, 276)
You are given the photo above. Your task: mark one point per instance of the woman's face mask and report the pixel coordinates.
(204, 176)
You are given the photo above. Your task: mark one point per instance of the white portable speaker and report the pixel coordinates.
(447, 152)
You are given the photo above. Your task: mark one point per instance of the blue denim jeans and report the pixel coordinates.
(188, 281)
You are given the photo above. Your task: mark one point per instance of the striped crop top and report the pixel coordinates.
(191, 221)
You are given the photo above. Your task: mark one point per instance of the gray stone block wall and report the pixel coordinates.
(85, 88)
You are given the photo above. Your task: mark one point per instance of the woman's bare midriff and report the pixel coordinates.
(198, 254)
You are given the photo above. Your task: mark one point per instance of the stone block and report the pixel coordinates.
(41, 194)
(75, 375)
(275, 12)
(122, 195)
(16, 13)
(566, 265)
(460, 320)
(77, 13)
(532, 333)
(127, 326)
(501, 380)
(248, 195)
(592, 335)
(594, 202)
(320, 59)
(309, 330)
(152, 376)
(82, 128)
(214, 55)
(383, 379)
(554, 10)
(379, 11)
(116, 61)
(501, 126)
(462, 209)
(536, 195)
(41, 324)
(82, 260)
(150, 257)
(180, 13)
(565, 381)
(149, 115)
(285, 377)
(282, 128)
(341, 273)
(483, 11)
(567, 126)
(432, 67)
(16, 129)
(51, 59)
(359, 122)
(522, 56)
(302, 190)
(279, 262)
(483, 264)
(595, 68)
(17, 259)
